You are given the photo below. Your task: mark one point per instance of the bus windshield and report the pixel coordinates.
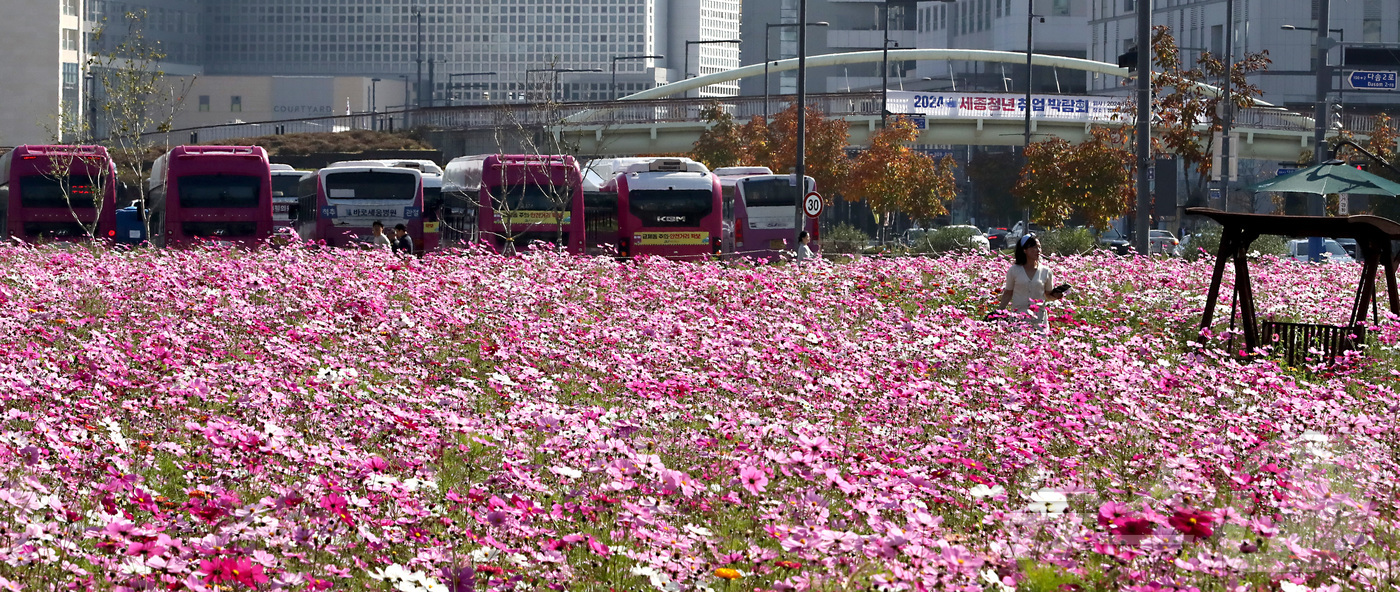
(219, 191)
(771, 192)
(44, 192)
(530, 197)
(285, 186)
(671, 207)
(372, 185)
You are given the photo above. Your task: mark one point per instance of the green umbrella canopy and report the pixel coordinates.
(1333, 176)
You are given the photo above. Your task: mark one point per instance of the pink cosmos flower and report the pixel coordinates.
(753, 479)
(1193, 523)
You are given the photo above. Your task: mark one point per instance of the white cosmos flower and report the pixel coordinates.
(1048, 501)
(984, 491)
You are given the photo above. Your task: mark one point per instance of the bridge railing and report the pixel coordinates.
(633, 112)
(611, 113)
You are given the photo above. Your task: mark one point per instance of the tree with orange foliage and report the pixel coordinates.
(891, 177)
(1093, 178)
(758, 143)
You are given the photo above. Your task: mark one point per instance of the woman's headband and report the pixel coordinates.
(1025, 237)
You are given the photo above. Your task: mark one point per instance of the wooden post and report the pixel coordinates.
(1248, 319)
(1227, 247)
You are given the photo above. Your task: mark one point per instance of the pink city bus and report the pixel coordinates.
(338, 204)
(525, 198)
(32, 187)
(669, 207)
(758, 211)
(210, 193)
(284, 194)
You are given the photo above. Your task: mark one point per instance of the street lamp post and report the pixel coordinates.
(631, 57)
(766, 59)
(405, 104)
(885, 61)
(1030, 73)
(554, 85)
(452, 85)
(373, 105)
(685, 72)
(418, 16)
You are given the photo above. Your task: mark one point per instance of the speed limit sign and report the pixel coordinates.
(812, 204)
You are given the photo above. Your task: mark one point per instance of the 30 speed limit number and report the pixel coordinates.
(812, 204)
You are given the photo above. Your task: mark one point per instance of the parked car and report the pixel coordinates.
(1111, 238)
(979, 240)
(913, 236)
(1350, 245)
(1162, 242)
(996, 235)
(1189, 243)
(1014, 235)
(1332, 251)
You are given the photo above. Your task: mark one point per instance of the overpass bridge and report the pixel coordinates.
(650, 122)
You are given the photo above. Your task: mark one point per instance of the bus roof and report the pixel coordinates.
(465, 173)
(736, 171)
(33, 152)
(355, 168)
(158, 168)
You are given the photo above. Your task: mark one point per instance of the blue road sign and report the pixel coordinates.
(1286, 171)
(1371, 80)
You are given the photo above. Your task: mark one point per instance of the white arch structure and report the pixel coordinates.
(865, 57)
(1274, 143)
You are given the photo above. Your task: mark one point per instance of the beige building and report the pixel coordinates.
(219, 107)
(43, 73)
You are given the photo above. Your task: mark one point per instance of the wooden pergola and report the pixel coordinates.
(1373, 235)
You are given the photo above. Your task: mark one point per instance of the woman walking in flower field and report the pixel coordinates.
(1029, 282)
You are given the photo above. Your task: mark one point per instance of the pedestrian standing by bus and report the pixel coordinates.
(376, 235)
(804, 252)
(1028, 282)
(403, 244)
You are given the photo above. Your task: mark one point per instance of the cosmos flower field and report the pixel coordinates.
(303, 419)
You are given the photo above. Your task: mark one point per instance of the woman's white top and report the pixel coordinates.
(1026, 289)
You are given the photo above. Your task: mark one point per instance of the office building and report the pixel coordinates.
(859, 25)
(1286, 28)
(45, 43)
(536, 48)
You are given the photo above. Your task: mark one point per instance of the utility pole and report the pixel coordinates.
(1228, 114)
(1144, 124)
(800, 168)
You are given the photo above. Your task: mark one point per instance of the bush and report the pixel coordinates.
(1207, 239)
(844, 238)
(946, 240)
(1067, 241)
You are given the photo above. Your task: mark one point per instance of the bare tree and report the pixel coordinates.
(539, 128)
(132, 100)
